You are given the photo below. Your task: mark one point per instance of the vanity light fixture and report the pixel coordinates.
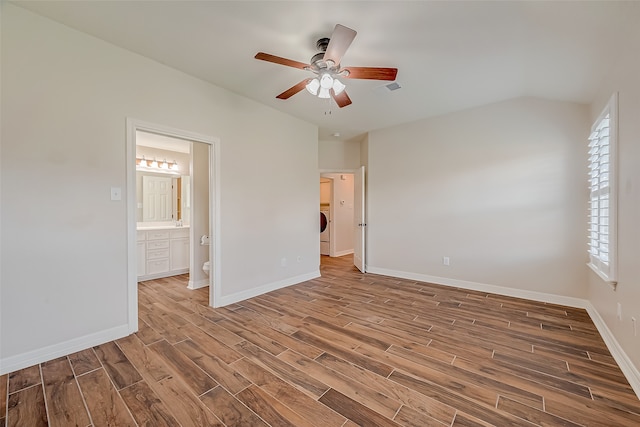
(143, 164)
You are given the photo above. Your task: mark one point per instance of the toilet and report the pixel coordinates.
(206, 267)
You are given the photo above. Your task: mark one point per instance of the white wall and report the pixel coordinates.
(342, 227)
(339, 154)
(499, 189)
(624, 80)
(63, 283)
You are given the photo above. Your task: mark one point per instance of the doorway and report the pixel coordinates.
(327, 220)
(336, 204)
(342, 196)
(207, 180)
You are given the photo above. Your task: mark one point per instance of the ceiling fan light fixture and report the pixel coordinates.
(324, 93)
(326, 81)
(338, 86)
(313, 86)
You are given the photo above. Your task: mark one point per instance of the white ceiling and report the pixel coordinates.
(450, 55)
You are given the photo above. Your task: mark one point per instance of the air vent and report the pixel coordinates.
(393, 86)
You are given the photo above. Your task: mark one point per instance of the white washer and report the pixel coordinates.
(324, 232)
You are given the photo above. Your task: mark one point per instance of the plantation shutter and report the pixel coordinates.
(601, 244)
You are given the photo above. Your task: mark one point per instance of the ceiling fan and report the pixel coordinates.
(327, 68)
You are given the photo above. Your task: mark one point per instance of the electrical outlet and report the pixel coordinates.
(445, 260)
(619, 312)
(635, 329)
(283, 262)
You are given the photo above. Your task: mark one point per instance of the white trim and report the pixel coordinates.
(332, 217)
(624, 362)
(626, 365)
(134, 125)
(215, 254)
(33, 357)
(343, 253)
(596, 270)
(483, 287)
(197, 284)
(356, 170)
(613, 185)
(332, 251)
(161, 275)
(608, 273)
(132, 238)
(269, 287)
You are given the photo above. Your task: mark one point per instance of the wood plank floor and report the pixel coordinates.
(346, 349)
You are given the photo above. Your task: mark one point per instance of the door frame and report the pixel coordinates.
(354, 172)
(132, 126)
(332, 241)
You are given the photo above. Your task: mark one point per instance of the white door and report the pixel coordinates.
(156, 194)
(359, 219)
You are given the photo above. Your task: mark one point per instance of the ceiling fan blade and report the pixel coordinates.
(293, 90)
(342, 99)
(339, 42)
(282, 61)
(371, 73)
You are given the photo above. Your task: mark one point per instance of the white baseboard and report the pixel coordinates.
(628, 369)
(343, 253)
(482, 287)
(30, 358)
(254, 292)
(197, 284)
(626, 365)
(161, 275)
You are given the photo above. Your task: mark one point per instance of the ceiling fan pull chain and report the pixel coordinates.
(328, 111)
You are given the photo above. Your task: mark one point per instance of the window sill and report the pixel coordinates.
(607, 280)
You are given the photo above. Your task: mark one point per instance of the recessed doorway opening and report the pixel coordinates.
(172, 209)
(342, 204)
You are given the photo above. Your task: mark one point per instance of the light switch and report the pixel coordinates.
(116, 193)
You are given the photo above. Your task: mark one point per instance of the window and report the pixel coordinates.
(602, 193)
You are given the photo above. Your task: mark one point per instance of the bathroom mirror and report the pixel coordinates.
(162, 198)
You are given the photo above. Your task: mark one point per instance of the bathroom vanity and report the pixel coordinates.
(162, 251)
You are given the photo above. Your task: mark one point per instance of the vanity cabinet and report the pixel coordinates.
(157, 252)
(162, 252)
(141, 253)
(179, 249)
